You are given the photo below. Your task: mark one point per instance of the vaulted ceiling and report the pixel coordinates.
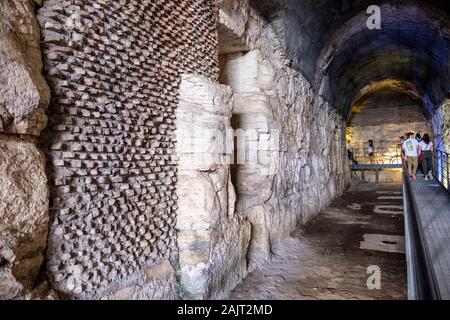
(330, 42)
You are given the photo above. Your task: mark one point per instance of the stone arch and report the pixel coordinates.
(404, 40)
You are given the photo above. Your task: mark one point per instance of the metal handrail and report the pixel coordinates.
(384, 153)
(441, 165)
(422, 283)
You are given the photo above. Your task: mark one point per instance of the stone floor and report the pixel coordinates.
(324, 259)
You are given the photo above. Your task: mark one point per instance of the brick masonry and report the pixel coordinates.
(114, 68)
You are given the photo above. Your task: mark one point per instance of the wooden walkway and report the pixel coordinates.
(432, 207)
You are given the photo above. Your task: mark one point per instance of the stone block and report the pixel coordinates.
(23, 207)
(123, 294)
(211, 238)
(24, 94)
(240, 71)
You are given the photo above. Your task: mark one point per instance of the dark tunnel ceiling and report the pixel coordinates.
(330, 14)
(412, 45)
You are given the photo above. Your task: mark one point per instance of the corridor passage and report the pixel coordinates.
(328, 258)
(204, 149)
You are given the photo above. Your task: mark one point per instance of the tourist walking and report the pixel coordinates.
(419, 167)
(418, 137)
(427, 148)
(412, 151)
(371, 151)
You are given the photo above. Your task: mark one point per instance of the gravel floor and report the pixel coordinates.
(323, 259)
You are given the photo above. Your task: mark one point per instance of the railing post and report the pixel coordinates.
(441, 166)
(447, 180)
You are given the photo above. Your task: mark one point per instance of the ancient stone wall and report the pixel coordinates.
(24, 96)
(114, 69)
(231, 213)
(299, 172)
(133, 215)
(441, 126)
(212, 237)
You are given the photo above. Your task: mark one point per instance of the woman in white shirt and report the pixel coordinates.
(427, 148)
